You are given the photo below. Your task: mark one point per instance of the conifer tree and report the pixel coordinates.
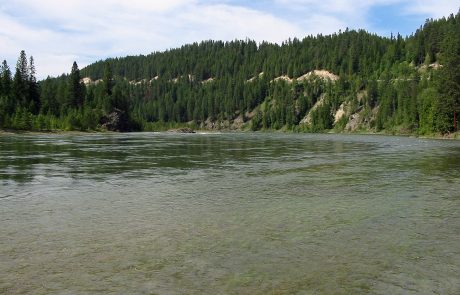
(20, 89)
(22, 66)
(5, 79)
(75, 88)
(449, 86)
(6, 105)
(33, 95)
(108, 79)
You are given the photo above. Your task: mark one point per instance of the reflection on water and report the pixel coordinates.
(228, 214)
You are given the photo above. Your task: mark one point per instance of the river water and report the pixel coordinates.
(158, 213)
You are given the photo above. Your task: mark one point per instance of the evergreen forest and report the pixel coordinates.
(350, 81)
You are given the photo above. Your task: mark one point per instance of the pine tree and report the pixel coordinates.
(22, 66)
(447, 107)
(108, 79)
(6, 105)
(5, 80)
(76, 89)
(33, 95)
(21, 76)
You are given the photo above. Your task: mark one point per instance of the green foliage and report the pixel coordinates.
(426, 110)
(76, 89)
(256, 122)
(321, 118)
(341, 123)
(393, 83)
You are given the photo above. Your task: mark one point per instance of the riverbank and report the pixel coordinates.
(449, 136)
(33, 132)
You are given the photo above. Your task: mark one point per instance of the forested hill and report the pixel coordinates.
(348, 81)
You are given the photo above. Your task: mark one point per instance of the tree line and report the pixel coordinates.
(396, 84)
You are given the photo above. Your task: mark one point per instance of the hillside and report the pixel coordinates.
(349, 81)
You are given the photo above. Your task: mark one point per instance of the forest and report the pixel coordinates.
(350, 81)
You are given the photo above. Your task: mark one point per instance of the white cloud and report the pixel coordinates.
(325, 24)
(432, 8)
(342, 7)
(230, 22)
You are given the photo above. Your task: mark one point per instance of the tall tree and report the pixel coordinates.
(20, 89)
(33, 94)
(6, 103)
(22, 66)
(76, 89)
(5, 79)
(107, 88)
(108, 79)
(448, 105)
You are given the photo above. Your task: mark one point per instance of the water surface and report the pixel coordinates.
(147, 213)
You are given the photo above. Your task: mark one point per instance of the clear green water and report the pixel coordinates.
(229, 214)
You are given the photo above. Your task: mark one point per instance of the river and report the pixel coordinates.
(231, 213)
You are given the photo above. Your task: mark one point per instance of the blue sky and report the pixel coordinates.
(58, 32)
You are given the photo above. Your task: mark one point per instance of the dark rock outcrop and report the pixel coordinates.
(182, 130)
(117, 120)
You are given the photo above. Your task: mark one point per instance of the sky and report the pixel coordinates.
(57, 32)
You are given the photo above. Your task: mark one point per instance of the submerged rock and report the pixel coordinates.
(182, 130)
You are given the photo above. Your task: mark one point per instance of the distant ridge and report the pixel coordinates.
(351, 81)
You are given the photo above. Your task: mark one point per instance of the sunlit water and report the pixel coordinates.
(228, 214)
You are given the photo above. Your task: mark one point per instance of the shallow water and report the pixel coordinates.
(228, 214)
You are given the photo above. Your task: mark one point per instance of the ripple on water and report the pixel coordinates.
(229, 214)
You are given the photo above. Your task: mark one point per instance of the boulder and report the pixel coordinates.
(182, 130)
